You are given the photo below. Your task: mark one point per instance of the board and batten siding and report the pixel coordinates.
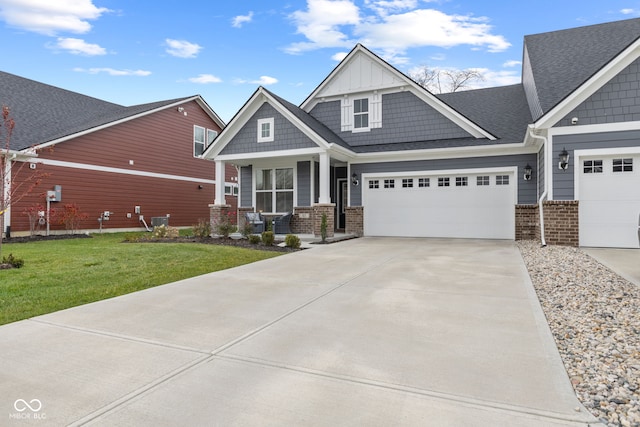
(246, 186)
(286, 135)
(563, 182)
(527, 190)
(304, 183)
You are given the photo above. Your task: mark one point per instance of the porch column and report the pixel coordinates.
(325, 195)
(219, 196)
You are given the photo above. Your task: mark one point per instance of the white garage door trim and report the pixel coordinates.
(468, 223)
(623, 232)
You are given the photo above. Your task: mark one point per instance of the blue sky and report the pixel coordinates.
(133, 52)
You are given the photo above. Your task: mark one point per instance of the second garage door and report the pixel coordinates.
(460, 205)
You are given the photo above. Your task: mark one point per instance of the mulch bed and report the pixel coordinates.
(242, 243)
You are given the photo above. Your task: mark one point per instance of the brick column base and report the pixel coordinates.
(561, 223)
(354, 220)
(327, 209)
(216, 212)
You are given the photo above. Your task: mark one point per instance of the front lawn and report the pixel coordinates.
(59, 274)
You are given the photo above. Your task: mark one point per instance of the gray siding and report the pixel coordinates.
(563, 184)
(304, 184)
(616, 101)
(526, 189)
(286, 135)
(405, 118)
(246, 183)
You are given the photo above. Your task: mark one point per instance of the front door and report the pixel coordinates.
(342, 203)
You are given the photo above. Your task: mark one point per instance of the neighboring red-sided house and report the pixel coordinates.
(122, 166)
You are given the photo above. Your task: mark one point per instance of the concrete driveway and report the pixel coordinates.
(372, 331)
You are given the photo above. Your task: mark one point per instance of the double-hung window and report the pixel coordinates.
(274, 190)
(361, 113)
(198, 141)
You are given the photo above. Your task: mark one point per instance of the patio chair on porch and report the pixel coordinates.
(281, 224)
(256, 220)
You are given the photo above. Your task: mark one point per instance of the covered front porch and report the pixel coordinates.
(309, 185)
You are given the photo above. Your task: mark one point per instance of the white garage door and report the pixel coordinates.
(465, 205)
(609, 200)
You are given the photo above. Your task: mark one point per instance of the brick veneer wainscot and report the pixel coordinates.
(327, 209)
(354, 220)
(561, 223)
(527, 222)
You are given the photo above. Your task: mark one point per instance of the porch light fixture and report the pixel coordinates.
(527, 172)
(564, 160)
(354, 180)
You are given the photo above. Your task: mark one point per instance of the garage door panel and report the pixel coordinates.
(609, 204)
(465, 211)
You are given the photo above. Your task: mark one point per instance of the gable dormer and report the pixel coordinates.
(361, 83)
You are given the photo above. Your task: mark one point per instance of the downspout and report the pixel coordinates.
(238, 197)
(543, 196)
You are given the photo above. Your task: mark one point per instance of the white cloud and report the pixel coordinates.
(321, 23)
(50, 17)
(237, 21)
(262, 81)
(182, 48)
(205, 79)
(339, 56)
(512, 63)
(493, 78)
(395, 27)
(79, 47)
(630, 12)
(265, 81)
(113, 71)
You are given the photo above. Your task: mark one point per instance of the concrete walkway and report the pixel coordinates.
(625, 262)
(364, 332)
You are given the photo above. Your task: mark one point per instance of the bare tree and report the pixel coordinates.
(438, 80)
(12, 191)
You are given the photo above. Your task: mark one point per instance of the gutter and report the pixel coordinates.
(544, 193)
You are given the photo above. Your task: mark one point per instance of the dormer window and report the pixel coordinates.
(361, 113)
(265, 130)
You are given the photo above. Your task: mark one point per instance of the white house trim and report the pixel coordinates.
(107, 169)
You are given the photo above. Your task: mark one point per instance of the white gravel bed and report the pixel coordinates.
(594, 315)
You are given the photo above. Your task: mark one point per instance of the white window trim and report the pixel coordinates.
(204, 142)
(375, 112)
(268, 121)
(274, 167)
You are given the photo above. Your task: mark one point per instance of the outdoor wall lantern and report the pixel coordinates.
(564, 160)
(527, 172)
(354, 179)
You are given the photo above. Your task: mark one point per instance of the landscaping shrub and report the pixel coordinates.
(254, 239)
(202, 229)
(12, 261)
(165, 232)
(268, 238)
(292, 241)
(323, 227)
(225, 225)
(71, 217)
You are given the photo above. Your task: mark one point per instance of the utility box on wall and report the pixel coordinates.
(55, 195)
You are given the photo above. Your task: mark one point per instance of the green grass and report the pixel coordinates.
(59, 274)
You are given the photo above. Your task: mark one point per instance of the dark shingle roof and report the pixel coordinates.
(563, 60)
(45, 113)
(503, 110)
(319, 128)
